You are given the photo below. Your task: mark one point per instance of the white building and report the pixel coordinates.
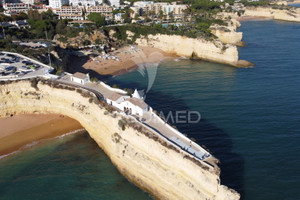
(15, 8)
(104, 10)
(135, 106)
(176, 9)
(141, 7)
(69, 12)
(114, 3)
(80, 78)
(142, 3)
(116, 100)
(86, 3)
(137, 95)
(118, 17)
(58, 3)
(18, 1)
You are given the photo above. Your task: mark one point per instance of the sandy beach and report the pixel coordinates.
(254, 18)
(125, 59)
(20, 130)
(293, 2)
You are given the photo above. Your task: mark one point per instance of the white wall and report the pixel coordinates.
(83, 2)
(57, 3)
(134, 109)
(78, 80)
(115, 104)
(115, 3)
(112, 89)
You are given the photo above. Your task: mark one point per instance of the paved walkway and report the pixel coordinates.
(174, 136)
(96, 88)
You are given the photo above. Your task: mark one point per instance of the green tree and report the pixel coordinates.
(97, 18)
(126, 15)
(98, 41)
(34, 14)
(171, 15)
(94, 79)
(22, 16)
(48, 15)
(107, 2)
(76, 25)
(86, 42)
(61, 26)
(161, 14)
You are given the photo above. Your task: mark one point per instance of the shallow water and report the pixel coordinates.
(71, 167)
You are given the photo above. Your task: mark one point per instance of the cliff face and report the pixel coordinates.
(292, 14)
(144, 158)
(227, 34)
(79, 40)
(214, 51)
(228, 37)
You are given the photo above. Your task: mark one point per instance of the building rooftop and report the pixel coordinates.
(136, 94)
(114, 97)
(80, 75)
(138, 102)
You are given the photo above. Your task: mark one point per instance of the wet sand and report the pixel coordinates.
(17, 131)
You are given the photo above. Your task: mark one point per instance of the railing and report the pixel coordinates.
(97, 93)
(152, 129)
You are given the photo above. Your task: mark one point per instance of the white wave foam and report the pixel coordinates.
(27, 146)
(70, 133)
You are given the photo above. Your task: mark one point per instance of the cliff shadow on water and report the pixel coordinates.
(72, 64)
(216, 140)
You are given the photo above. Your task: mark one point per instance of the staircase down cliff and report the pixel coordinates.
(144, 157)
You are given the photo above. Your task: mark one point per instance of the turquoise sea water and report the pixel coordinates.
(71, 167)
(250, 121)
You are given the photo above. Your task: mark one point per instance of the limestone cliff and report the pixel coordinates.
(145, 158)
(228, 37)
(287, 14)
(78, 41)
(214, 50)
(227, 34)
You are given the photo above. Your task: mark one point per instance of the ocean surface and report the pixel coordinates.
(250, 120)
(69, 167)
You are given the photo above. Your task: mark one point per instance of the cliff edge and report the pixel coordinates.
(145, 158)
(214, 50)
(291, 14)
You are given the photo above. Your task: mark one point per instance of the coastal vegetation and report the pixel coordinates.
(97, 18)
(46, 25)
(199, 20)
